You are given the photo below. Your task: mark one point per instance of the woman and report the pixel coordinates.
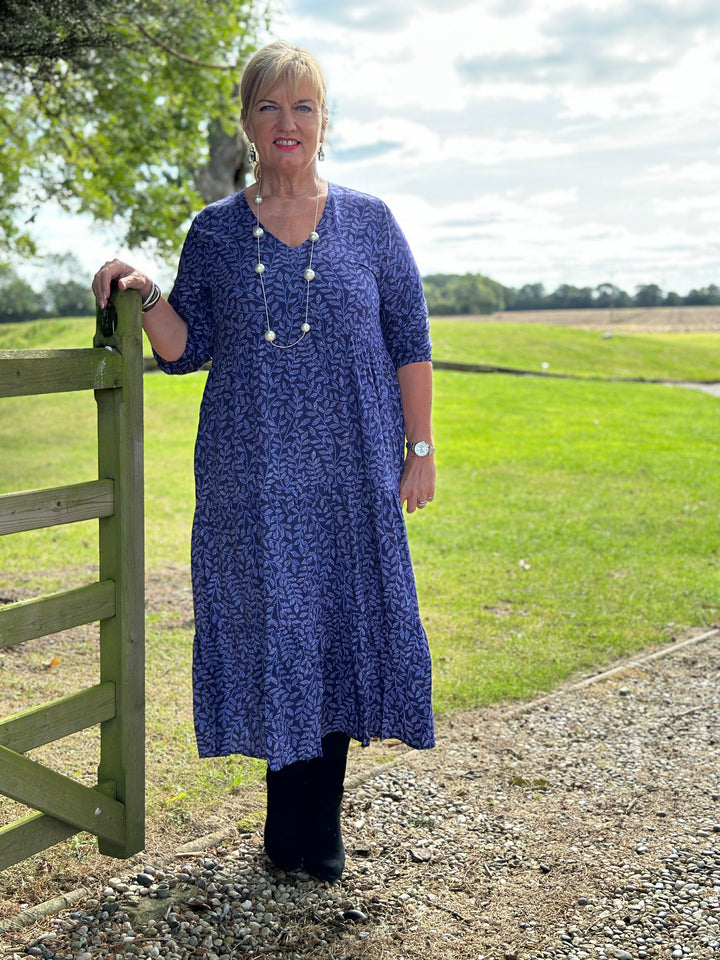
(307, 300)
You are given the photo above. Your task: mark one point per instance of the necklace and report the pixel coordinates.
(309, 274)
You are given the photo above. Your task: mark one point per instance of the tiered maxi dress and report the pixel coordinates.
(306, 612)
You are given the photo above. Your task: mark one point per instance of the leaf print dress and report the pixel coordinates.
(306, 613)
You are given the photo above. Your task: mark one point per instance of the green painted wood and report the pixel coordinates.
(30, 835)
(29, 372)
(35, 833)
(84, 808)
(30, 619)
(115, 811)
(122, 638)
(52, 721)
(35, 509)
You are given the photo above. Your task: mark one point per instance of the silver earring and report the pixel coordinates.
(321, 153)
(252, 155)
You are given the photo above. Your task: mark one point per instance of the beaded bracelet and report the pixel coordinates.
(152, 298)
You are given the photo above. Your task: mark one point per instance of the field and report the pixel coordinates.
(628, 320)
(576, 521)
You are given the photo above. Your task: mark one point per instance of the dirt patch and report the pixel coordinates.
(631, 319)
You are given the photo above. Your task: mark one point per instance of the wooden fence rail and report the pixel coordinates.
(114, 808)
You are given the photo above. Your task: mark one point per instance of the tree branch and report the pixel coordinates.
(182, 56)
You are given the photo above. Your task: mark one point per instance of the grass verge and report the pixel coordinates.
(564, 350)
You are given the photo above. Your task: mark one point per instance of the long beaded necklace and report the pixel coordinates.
(309, 274)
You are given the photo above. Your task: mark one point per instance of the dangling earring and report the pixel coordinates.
(321, 153)
(252, 155)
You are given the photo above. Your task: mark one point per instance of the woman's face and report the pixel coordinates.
(287, 128)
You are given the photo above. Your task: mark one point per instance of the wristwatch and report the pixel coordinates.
(421, 448)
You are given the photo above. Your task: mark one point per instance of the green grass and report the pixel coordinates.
(527, 346)
(53, 334)
(52, 441)
(567, 350)
(575, 521)
(58, 334)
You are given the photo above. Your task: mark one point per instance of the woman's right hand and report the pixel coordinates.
(128, 278)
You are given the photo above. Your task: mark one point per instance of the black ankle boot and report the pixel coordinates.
(324, 852)
(284, 822)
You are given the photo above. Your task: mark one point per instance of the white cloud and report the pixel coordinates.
(700, 172)
(532, 140)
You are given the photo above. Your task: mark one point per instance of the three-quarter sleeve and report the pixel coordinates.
(191, 298)
(403, 310)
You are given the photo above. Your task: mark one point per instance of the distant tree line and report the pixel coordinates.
(62, 295)
(469, 293)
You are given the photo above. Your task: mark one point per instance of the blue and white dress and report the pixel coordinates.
(306, 612)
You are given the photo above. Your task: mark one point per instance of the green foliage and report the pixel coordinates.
(649, 295)
(63, 294)
(704, 296)
(448, 293)
(120, 129)
(451, 294)
(52, 29)
(18, 300)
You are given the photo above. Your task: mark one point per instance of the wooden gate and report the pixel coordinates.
(114, 809)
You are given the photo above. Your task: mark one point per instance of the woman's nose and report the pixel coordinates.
(286, 118)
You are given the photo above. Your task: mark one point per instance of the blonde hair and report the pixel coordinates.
(273, 64)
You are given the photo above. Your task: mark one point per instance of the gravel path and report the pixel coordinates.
(583, 825)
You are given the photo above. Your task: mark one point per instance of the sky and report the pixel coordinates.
(533, 141)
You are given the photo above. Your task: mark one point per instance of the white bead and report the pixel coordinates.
(305, 327)
(259, 268)
(258, 232)
(314, 237)
(309, 274)
(258, 199)
(270, 336)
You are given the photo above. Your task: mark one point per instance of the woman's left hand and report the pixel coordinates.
(417, 485)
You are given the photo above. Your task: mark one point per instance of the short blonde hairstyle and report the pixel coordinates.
(275, 63)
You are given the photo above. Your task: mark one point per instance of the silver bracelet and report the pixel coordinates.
(152, 298)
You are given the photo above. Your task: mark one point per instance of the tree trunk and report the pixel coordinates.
(225, 173)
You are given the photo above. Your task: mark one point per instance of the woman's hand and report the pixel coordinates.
(166, 330)
(417, 484)
(128, 278)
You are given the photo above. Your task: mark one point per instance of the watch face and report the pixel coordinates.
(422, 448)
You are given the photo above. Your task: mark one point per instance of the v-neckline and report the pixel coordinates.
(269, 233)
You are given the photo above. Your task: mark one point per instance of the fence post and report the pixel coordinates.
(122, 637)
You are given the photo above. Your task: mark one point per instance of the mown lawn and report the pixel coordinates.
(539, 347)
(575, 520)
